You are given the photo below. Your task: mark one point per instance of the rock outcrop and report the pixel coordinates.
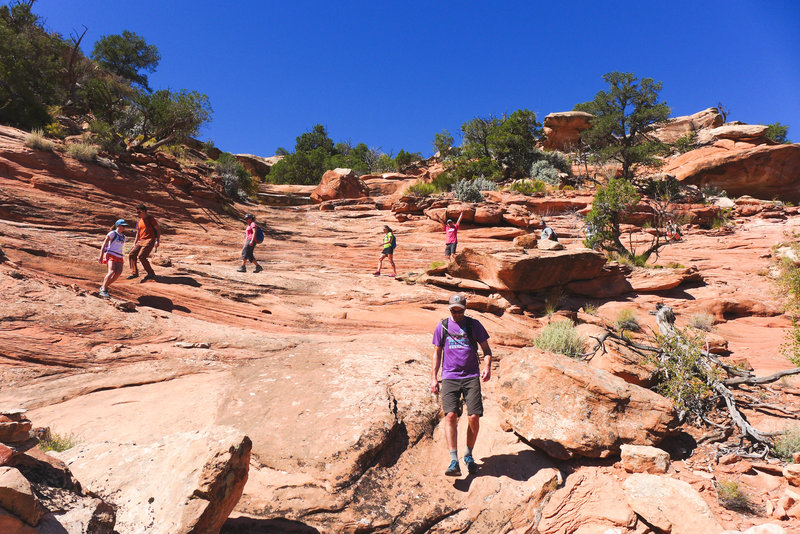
(762, 171)
(753, 133)
(207, 473)
(562, 130)
(256, 165)
(567, 408)
(678, 127)
(339, 183)
(531, 271)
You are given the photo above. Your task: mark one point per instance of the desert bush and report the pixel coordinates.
(685, 143)
(543, 171)
(560, 337)
(422, 189)
(682, 376)
(82, 151)
(58, 443)
(731, 496)
(722, 219)
(436, 264)
(626, 320)
(443, 143)
(37, 141)
(54, 129)
(528, 187)
(467, 191)
(590, 308)
(236, 181)
(789, 283)
(484, 185)
(787, 443)
(675, 265)
(777, 132)
(702, 321)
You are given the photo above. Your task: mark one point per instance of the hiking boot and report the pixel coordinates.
(376, 273)
(148, 276)
(454, 470)
(241, 269)
(132, 276)
(472, 467)
(258, 269)
(104, 293)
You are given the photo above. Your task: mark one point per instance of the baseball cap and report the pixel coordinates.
(120, 222)
(458, 301)
(249, 216)
(449, 221)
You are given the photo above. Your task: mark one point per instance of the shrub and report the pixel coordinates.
(787, 443)
(236, 181)
(560, 337)
(722, 219)
(777, 132)
(675, 265)
(484, 185)
(443, 143)
(527, 187)
(731, 496)
(685, 143)
(626, 320)
(789, 283)
(37, 141)
(590, 308)
(404, 159)
(58, 443)
(791, 347)
(422, 189)
(436, 264)
(702, 321)
(82, 151)
(542, 170)
(467, 191)
(54, 129)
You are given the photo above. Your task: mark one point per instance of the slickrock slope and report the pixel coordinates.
(323, 366)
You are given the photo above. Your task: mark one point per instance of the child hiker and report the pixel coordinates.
(389, 244)
(111, 254)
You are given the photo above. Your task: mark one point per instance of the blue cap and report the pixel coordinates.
(120, 222)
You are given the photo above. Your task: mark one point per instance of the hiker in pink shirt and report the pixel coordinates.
(451, 229)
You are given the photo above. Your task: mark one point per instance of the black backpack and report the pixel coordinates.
(468, 329)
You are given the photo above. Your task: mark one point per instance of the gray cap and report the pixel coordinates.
(458, 301)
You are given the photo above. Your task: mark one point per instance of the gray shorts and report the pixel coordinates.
(453, 390)
(247, 252)
(450, 249)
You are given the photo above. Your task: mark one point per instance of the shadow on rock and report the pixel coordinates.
(182, 280)
(521, 466)
(246, 525)
(161, 303)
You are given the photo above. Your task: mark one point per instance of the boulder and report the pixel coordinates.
(669, 505)
(549, 244)
(762, 171)
(792, 474)
(17, 496)
(14, 431)
(255, 165)
(11, 524)
(734, 131)
(567, 408)
(679, 127)
(531, 271)
(589, 498)
(186, 482)
(644, 459)
(339, 183)
(519, 216)
(563, 129)
(526, 241)
(488, 214)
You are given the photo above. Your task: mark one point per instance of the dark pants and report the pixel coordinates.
(141, 251)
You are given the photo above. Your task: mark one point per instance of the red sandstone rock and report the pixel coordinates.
(17, 496)
(339, 183)
(488, 214)
(644, 459)
(562, 130)
(763, 171)
(681, 126)
(567, 408)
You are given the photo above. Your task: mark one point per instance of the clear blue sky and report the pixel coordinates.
(391, 74)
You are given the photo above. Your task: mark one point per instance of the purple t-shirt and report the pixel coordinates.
(459, 360)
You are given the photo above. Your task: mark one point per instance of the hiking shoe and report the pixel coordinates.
(376, 273)
(104, 293)
(258, 269)
(132, 276)
(472, 467)
(148, 277)
(241, 269)
(454, 470)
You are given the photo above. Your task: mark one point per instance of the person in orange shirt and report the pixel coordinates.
(147, 239)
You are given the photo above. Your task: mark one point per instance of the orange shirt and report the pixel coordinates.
(146, 231)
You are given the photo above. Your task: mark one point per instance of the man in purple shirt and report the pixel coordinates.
(456, 340)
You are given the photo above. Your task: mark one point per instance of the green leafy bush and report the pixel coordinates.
(685, 143)
(528, 187)
(443, 143)
(82, 151)
(58, 443)
(626, 320)
(422, 189)
(777, 132)
(37, 141)
(791, 346)
(787, 443)
(731, 496)
(54, 129)
(560, 337)
(404, 159)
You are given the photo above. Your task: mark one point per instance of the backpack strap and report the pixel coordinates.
(467, 329)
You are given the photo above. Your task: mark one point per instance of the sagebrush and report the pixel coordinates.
(560, 337)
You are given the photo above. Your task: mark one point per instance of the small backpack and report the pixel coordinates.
(394, 241)
(467, 329)
(259, 234)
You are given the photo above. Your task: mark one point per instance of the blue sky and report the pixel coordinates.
(391, 74)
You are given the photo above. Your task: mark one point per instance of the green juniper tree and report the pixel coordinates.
(127, 55)
(624, 115)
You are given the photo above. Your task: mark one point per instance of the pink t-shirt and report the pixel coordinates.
(452, 233)
(250, 233)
